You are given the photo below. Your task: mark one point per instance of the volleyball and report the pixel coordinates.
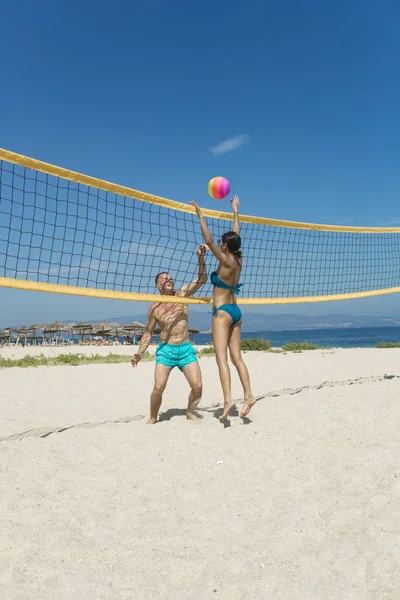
(219, 188)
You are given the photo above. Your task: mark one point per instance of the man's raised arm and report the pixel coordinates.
(191, 288)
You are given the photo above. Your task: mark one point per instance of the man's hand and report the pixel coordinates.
(201, 250)
(136, 358)
(235, 204)
(198, 209)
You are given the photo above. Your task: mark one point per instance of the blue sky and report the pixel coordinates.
(303, 97)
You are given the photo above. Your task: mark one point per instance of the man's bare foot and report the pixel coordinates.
(247, 406)
(227, 408)
(191, 416)
(151, 421)
(191, 407)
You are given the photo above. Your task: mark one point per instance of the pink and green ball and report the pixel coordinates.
(219, 188)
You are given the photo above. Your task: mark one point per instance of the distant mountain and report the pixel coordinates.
(254, 321)
(263, 322)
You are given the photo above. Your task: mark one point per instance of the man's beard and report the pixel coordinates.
(173, 293)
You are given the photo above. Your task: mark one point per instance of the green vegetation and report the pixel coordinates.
(208, 351)
(299, 346)
(67, 359)
(259, 344)
(246, 345)
(255, 344)
(388, 345)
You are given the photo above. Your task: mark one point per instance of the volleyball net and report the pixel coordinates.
(63, 232)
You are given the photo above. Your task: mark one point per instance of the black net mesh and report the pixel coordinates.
(56, 231)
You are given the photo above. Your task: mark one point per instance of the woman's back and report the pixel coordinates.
(228, 274)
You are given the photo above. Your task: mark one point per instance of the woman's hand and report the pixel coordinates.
(235, 204)
(198, 209)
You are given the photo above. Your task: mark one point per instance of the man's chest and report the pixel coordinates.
(169, 313)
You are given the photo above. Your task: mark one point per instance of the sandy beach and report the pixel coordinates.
(52, 351)
(300, 501)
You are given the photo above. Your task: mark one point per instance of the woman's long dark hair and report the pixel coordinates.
(233, 243)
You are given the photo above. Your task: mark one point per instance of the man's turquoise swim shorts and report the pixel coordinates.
(175, 355)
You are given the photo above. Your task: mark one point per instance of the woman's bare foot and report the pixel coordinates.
(247, 406)
(227, 408)
(151, 421)
(191, 416)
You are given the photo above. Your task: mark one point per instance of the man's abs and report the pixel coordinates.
(173, 322)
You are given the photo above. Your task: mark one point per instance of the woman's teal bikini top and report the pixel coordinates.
(216, 281)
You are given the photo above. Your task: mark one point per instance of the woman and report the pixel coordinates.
(227, 316)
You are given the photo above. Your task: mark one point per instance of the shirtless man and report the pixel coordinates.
(174, 350)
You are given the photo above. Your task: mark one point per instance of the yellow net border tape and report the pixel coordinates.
(31, 163)
(56, 288)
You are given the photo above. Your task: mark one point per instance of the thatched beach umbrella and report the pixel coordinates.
(34, 329)
(83, 325)
(23, 332)
(192, 333)
(118, 327)
(135, 324)
(116, 331)
(70, 329)
(5, 334)
(55, 327)
(10, 331)
(83, 328)
(102, 327)
(135, 328)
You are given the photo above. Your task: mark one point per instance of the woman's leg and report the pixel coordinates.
(237, 360)
(221, 323)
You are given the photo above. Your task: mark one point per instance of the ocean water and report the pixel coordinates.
(357, 337)
(361, 337)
